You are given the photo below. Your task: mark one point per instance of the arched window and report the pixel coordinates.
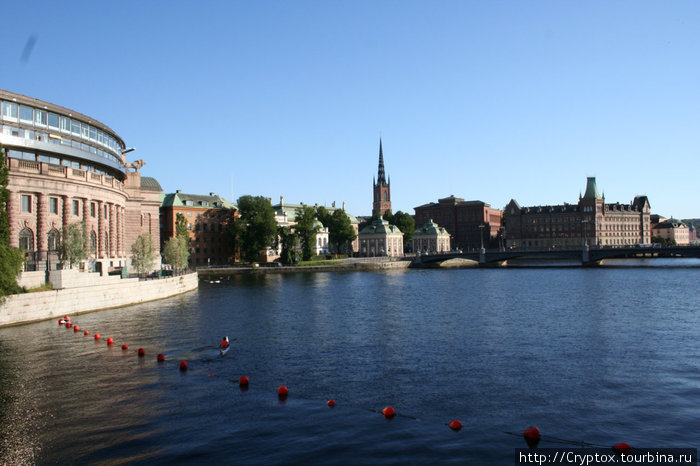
(93, 242)
(26, 239)
(53, 239)
(385, 195)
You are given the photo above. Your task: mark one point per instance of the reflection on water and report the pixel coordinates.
(602, 355)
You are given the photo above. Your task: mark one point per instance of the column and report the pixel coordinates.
(101, 247)
(86, 224)
(112, 231)
(42, 226)
(66, 210)
(12, 211)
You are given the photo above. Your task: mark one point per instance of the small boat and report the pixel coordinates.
(223, 351)
(224, 346)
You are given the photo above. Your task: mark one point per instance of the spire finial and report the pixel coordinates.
(380, 172)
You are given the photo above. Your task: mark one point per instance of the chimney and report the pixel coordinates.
(281, 201)
(178, 191)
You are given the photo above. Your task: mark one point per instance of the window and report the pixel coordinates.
(106, 211)
(75, 127)
(54, 121)
(76, 207)
(93, 242)
(9, 111)
(41, 118)
(26, 203)
(26, 239)
(53, 238)
(53, 205)
(92, 209)
(26, 114)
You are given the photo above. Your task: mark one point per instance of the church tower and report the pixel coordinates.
(382, 188)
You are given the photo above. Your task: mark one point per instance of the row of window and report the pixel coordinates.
(26, 201)
(56, 139)
(26, 240)
(53, 160)
(39, 118)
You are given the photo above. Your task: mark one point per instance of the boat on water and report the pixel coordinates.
(224, 346)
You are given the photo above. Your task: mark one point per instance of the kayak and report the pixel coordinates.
(223, 351)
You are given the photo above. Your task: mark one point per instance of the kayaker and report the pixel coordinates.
(224, 343)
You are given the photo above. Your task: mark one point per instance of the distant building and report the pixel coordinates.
(590, 221)
(207, 218)
(65, 168)
(381, 188)
(470, 223)
(672, 230)
(381, 239)
(431, 238)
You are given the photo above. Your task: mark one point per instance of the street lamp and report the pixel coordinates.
(481, 234)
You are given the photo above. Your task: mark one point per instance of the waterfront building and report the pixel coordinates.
(381, 239)
(431, 238)
(672, 230)
(591, 221)
(471, 224)
(381, 188)
(207, 219)
(66, 167)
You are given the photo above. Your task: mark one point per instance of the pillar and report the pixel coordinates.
(101, 247)
(12, 212)
(112, 231)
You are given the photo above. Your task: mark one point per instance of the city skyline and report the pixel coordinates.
(482, 101)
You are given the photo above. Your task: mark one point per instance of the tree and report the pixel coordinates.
(176, 253)
(324, 216)
(340, 230)
(143, 253)
(73, 249)
(288, 239)
(405, 223)
(255, 229)
(11, 259)
(181, 228)
(306, 229)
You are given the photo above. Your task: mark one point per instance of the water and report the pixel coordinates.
(588, 355)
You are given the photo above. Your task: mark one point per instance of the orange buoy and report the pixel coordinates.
(160, 357)
(282, 391)
(243, 381)
(76, 328)
(455, 425)
(330, 403)
(125, 347)
(622, 448)
(142, 352)
(110, 341)
(86, 332)
(97, 336)
(388, 412)
(183, 366)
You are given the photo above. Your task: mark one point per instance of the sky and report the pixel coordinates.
(483, 100)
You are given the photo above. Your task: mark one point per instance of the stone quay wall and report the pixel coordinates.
(94, 295)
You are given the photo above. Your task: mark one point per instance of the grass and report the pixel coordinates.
(44, 287)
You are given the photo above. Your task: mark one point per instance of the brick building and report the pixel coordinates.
(207, 218)
(469, 223)
(64, 168)
(591, 221)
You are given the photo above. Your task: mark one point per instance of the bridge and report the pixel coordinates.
(586, 256)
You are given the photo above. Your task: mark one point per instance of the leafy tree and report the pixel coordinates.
(288, 239)
(405, 223)
(340, 230)
(306, 229)
(73, 247)
(255, 229)
(181, 228)
(176, 252)
(143, 253)
(11, 259)
(324, 216)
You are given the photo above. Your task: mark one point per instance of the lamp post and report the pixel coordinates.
(481, 234)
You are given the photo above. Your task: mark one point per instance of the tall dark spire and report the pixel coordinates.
(380, 174)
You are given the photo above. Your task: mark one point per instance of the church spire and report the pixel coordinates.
(380, 172)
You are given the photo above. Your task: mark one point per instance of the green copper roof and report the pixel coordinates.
(430, 229)
(151, 183)
(591, 189)
(382, 227)
(212, 201)
(291, 209)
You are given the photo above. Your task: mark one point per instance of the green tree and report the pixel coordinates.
(405, 223)
(143, 253)
(288, 239)
(11, 259)
(176, 253)
(340, 230)
(73, 247)
(255, 229)
(181, 228)
(324, 216)
(306, 229)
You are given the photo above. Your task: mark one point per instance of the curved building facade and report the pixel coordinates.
(66, 167)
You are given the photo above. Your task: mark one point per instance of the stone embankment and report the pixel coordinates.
(81, 292)
(348, 265)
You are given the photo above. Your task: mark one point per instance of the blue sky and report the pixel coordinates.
(487, 100)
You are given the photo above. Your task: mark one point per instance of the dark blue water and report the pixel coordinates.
(588, 355)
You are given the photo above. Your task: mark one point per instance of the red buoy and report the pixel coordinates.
(388, 412)
(68, 325)
(110, 341)
(66, 318)
(76, 328)
(86, 332)
(183, 366)
(282, 391)
(330, 403)
(60, 321)
(142, 352)
(455, 425)
(125, 347)
(97, 336)
(160, 357)
(243, 381)
(532, 432)
(622, 448)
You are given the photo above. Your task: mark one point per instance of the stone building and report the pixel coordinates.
(381, 188)
(207, 219)
(591, 221)
(431, 238)
(672, 230)
(381, 239)
(64, 168)
(470, 223)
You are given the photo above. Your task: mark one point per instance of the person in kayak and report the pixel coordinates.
(224, 343)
